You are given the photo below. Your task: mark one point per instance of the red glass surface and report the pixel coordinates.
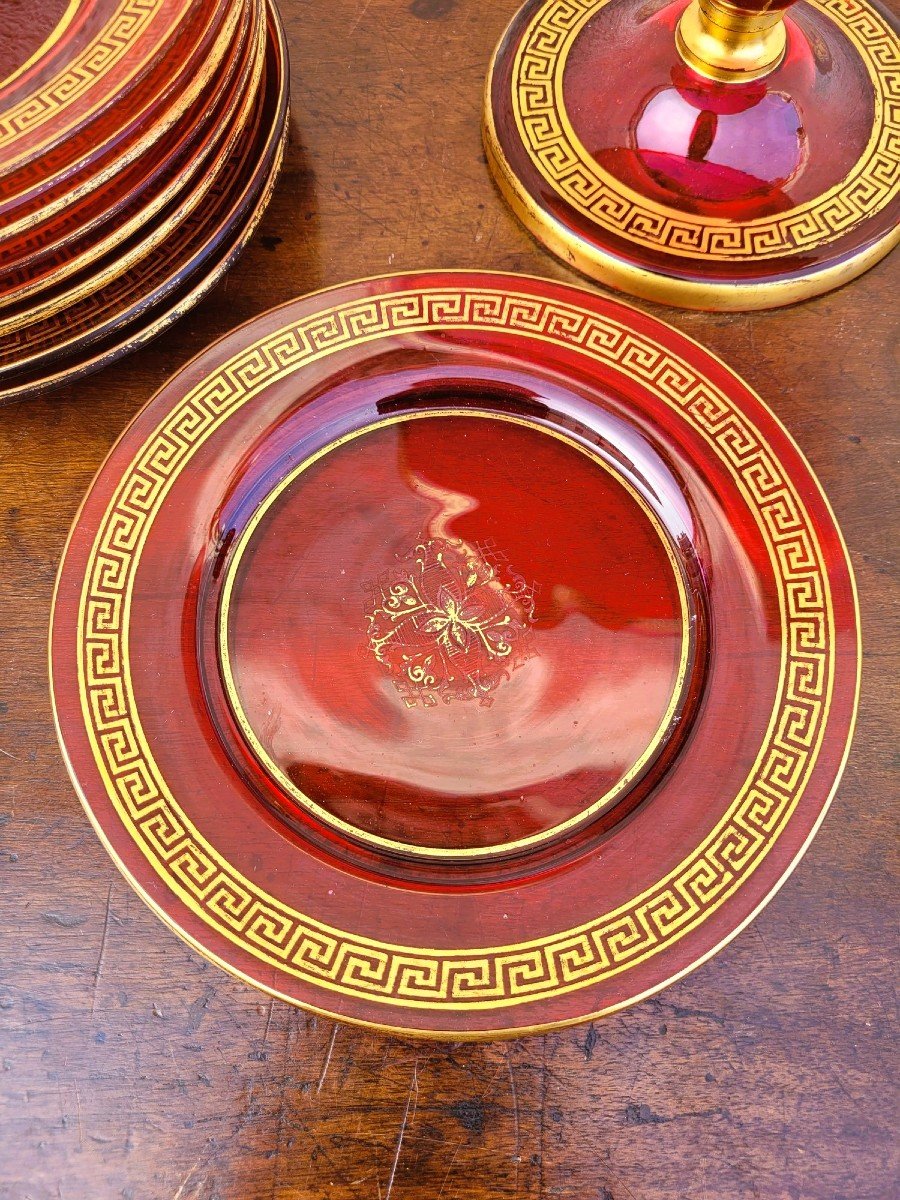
(29, 27)
(484, 638)
(178, 164)
(515, 421)
(730, 152)
(164, 283)
(149, 85)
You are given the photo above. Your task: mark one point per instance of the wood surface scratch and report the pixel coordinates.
(413, 1093)
(98, 970)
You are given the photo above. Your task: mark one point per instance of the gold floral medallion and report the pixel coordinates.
(451, 622)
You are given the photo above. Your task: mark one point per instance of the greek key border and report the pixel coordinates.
(565, 164)
(473, 978)
(97, 59)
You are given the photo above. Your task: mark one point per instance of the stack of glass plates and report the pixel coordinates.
(139, 142)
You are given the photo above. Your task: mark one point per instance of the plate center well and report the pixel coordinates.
(30, 31)
(455, 634)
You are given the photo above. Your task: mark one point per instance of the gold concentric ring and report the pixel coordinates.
(575, 177)
(591, 810)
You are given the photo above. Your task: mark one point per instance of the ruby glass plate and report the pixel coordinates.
(96, 80)
(456, 653)
(165, 283)
(106, 216)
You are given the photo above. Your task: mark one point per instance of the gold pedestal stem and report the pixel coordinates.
(726, 42)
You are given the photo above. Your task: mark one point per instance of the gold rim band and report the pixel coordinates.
(591, 810)
(46, 46)
(590, 260)
(567, 168)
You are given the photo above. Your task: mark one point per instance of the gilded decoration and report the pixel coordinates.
(346, 963)
(574, 174)
(450, 622)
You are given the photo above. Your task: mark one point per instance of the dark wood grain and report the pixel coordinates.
(131, 1068)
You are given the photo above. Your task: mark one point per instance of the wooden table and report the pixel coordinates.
(133, 1069)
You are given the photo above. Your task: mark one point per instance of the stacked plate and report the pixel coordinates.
(139, 143)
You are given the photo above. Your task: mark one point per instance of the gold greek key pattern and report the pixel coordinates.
(164, 266)
(411, 976)
(96, 60)
(565, 164)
